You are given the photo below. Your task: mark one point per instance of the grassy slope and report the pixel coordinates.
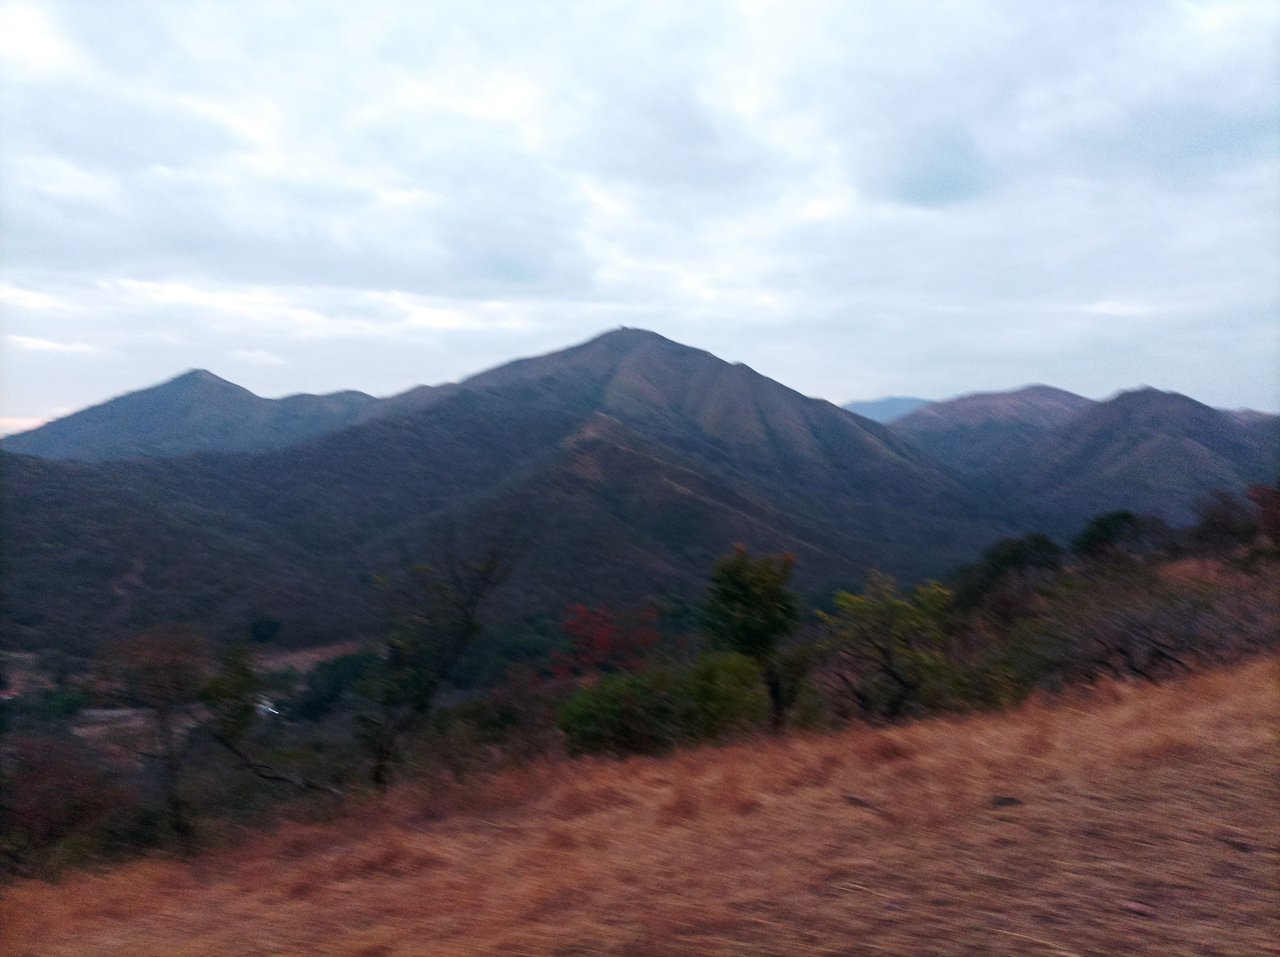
(1147, 823)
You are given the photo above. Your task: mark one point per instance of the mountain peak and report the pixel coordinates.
(629, 336)
(201, 377)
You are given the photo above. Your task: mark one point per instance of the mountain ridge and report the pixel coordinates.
(635, 462)
(639, 461)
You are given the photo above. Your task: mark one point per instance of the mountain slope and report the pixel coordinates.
(1147, 451)
(986, 431)
(630, 463)
(195, 412)
(634, 462)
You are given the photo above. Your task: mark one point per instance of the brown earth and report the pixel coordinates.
(1129, 820)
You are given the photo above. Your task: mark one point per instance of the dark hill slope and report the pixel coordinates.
(634, 461)
(1147, 451)
(196, 412)
(988, 431)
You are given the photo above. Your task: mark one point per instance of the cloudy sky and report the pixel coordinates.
(855, 198)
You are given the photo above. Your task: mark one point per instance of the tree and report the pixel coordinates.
(162, 672)
(435, 619)
(750, 609)
(892, 650)
(602, 641)
(1113, 535)
(1007, 575)
(1224, 521)
(232, 699)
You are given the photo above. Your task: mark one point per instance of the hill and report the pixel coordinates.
(195, 412)
(989, 431)
(631, 461)
(1127, 819)
(1056, 458)
(1146, 451)
(625, 465)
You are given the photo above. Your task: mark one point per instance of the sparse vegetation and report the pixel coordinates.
(1125, 818)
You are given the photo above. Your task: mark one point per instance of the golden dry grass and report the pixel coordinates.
(1133, 820)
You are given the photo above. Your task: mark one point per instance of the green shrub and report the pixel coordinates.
(622, 714)
(716, 697)
(719, 696)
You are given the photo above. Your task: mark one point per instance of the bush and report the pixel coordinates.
(621, 714)
(716, 697)
(719, 696)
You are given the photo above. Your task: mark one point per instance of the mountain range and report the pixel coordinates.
(887, 409)
(628, 463)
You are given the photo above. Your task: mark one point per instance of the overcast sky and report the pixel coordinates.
(855, 198)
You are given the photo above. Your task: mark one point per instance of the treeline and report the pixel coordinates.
(165, 738)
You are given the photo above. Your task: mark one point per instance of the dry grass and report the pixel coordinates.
(1129, 820)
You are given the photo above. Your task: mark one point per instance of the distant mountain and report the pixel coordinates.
(630, 463)
(196, 412)
(1147, 451)
(886, 409)
(1056, 458)
(634, 461)
(985, 431)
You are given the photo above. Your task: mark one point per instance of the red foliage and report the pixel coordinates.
(601, 641)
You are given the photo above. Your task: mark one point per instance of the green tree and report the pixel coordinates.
(1011, 561)
(721, 696)
(892, 651)
(1108, 535)
(749, 610)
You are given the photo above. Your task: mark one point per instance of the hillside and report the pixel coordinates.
(1146, 451)
(630, 461)
(1128, 819)
(989, 431)
(1056, 458)
(626, 466)
(196, 412)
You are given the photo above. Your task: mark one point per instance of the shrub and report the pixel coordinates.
(622, 714)
(721, 695)
(716, 697)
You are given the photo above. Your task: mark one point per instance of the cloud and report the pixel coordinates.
(32, 344)
(929, 196)
(257, 357)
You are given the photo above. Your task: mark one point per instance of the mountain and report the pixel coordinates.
(886, 409)
(626, 466)
(1056, 458)
(984, 431)
(631, 463)
(196, 412)
(1146, 451)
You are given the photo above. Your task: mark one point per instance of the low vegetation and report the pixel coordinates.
(1125, 817)
(168, 745)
